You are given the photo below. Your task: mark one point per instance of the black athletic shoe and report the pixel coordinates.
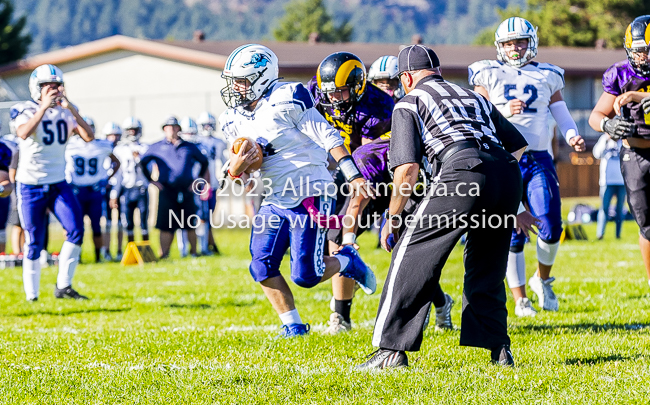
(214, 249)
(503, 356)
(68, 292)
(384, 358)
(32, 299)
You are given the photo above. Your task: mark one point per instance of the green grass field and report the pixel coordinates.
(200, 331)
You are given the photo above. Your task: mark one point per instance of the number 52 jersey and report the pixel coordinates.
(42, 154)
(534, 84)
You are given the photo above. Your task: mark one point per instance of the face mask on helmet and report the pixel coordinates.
(207, 129)
(207, 123)
(41, 76)
(516, 41)
(132, 134)
(189, 130)
(249, 72)
(637, 37)
(341, 81)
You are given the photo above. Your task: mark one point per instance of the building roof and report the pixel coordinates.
(303, 58)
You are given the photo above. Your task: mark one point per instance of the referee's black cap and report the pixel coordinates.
(417, 57)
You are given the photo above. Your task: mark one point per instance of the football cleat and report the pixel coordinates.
(544, 290)
(358, 270)
(503, 356)
(32, 299)
(106, 256)
(384, 358)
(118, 257)
(68, 292)
(294, 330)
(443, 315)
(523, 307)
(337, 325)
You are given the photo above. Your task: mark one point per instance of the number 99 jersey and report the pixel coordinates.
(85, 161)
(533, 83)
(42, 154)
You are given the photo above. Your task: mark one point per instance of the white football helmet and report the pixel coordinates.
(43, 74)
(189, 130)
(89, 121)
(112, 130)
(207, 123)
(256, 63)
(384, 68)
(516, 28)
(132, 128)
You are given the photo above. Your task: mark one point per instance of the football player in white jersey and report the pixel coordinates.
(383, 74)
(112, 133)
(525, 91)
(215, 150)
(295, 140)
(130, 191)
(45, 125)
(87, 172)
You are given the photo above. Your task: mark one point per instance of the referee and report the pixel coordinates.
(471, 147)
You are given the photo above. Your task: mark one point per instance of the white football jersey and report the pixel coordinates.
(86, 161)
(295, 139)
(130, 172)
(533, 84)
(42, 155)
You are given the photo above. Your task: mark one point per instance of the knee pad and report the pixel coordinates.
(306, 280)
(75, 237)
(261, 271)
(546, 252)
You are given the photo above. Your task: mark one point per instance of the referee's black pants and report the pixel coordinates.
(423, 249)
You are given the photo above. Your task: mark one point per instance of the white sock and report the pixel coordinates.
(31, 277)
(204, 239)
(343, 260)
(291, 317)
(68, 260)
(546, 252)
(516, 269)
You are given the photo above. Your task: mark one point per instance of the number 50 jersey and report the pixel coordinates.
(534, 84)
(42, 154)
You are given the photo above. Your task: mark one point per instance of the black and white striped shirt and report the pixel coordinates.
(438, 113)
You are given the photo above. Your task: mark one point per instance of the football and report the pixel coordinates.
(237, 145)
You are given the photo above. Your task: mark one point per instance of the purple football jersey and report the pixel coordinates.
(621, 78)
(370, 118)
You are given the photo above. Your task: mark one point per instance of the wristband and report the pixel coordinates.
(233, 176)
(349, 238)
(602, 124)
(349, 168)
(521, 208)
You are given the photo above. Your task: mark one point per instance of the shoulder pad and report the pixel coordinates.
(293, 95)
(551, 68)
(475, 68)
(19, 108)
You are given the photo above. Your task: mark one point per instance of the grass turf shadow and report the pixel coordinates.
(73, 312)
(581, 327)
(189, 306)
(583, 361)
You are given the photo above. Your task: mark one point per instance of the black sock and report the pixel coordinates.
(439, 299)
(97, 255)
(343, 308)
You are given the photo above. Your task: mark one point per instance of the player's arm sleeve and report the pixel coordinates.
(406, 140)
(316, 127)
(610, 81)
(564, 119)
(511, 139)
(599, 147)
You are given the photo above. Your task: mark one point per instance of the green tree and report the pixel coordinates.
(581, 23)
(304, 17)
(14, 43)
